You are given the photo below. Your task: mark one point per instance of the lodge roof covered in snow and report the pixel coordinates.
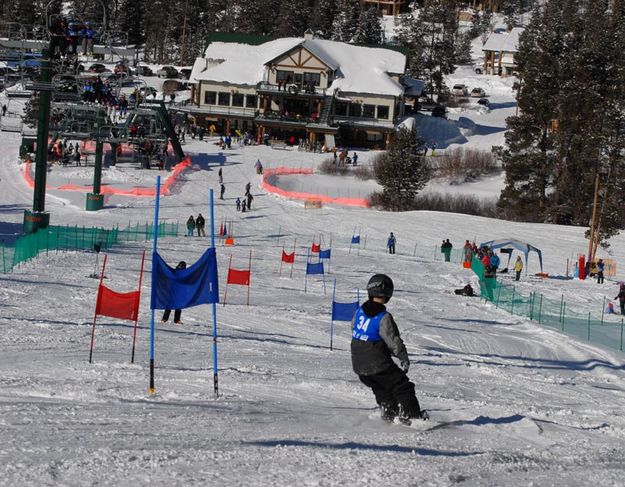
(357, 69)
(503, 41)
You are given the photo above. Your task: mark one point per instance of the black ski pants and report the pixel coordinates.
(177, 315)
(392, 387)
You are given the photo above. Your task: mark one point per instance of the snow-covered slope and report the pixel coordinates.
(519, 404)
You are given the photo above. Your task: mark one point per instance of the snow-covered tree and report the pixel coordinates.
(369, 30)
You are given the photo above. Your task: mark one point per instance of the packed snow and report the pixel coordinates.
(511, 402)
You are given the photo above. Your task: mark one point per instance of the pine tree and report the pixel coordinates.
(131, 20)
(511, 10)
(369, 30)
(257, 17)
(530, 157)
(402, 171)
(323, 16)
(292, 19)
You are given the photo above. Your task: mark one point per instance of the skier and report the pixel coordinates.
(518, 267)
(199, 224)
(390, 243)
(248, 186)
(177, 313)
(238, 204)
(221, 177)
(249, 201)
(375, 338)
(621, 297)
(446, 247)
(221, 194)
(600, 269)
(355, 159)
(190, 226)
(243, 204)
(4, 110)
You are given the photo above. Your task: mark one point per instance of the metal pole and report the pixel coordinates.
(561, 305)
(214, 304)
(154, 247)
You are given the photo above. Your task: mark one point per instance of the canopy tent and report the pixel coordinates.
(509, 244)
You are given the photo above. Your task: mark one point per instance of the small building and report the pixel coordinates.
(302, 88)
(388, 7)
(499, 51)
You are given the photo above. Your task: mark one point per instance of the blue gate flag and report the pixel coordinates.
(183, 288)
(325, 254)
(356, 239)
(344, 311)
(314, 268)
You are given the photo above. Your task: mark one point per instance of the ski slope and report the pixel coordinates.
(511, 403)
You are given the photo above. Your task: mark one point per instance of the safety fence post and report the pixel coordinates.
(540, 310)
(589, 326)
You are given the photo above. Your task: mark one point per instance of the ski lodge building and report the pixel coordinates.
(499, 50)
(306, 88)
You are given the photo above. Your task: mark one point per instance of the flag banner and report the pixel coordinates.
(314, 268)
(316, 248)
(344, 311)
(325, 254)
(124, 306)
(356, 239)
(288, 258)
(183, 288)
(239, 277)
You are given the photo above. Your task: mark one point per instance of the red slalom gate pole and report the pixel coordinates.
(95, 313)
(293, 263)
(249, 283)
(281, 260)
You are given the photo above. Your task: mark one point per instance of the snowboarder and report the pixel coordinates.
(238, 204)
(390, 243)
(518, 267)
(221, 193)
(199, 224)
(190, 226)
(177, 313)
(375, 338)
(621, 297)
(600, 269)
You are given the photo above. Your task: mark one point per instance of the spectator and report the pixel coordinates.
(391, 243)
(518, 267)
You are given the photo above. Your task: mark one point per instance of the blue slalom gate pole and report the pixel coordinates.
(154, 247)
(332, 318)
(214, 304)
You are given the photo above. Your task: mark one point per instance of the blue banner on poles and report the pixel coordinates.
(183, 288)
(356, 239)
(314, 268)
(344, 311)
(325, 254)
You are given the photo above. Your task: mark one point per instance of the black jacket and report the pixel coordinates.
(370, 358)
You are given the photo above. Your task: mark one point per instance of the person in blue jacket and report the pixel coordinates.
(390, 243)
(375, 340)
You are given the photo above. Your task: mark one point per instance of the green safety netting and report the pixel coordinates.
(55, 238)
(555, 314)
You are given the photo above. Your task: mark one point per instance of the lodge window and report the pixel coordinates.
(383, 112)
(284, 75)
(312, 78)
(368, 111)
(210, 97)
(223, 99)
(251, 101)
(341, 108)
(237, 100)
(355, 109)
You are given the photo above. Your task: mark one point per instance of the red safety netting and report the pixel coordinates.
(140, 192)
(288, 258)
(277, 171)
(124, 306)
(239, 277)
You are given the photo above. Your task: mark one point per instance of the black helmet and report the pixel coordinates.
(380, 286)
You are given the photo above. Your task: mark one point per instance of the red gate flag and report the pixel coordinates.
(239, 277)
(288, 258)
(124, 306)
(316, 248)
